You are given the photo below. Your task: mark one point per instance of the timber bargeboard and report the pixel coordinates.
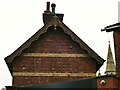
(56, 23)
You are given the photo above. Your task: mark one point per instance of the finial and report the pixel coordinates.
(53, 5)
(99, 74)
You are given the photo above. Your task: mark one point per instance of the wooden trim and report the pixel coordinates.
(52, 74)
(53, 55)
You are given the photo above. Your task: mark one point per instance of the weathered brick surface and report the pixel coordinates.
(52, 42)
(54, 65)
(117, 51)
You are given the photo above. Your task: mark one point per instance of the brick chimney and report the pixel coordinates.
(48, 15)
(116, 36)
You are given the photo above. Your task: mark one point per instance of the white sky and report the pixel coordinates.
(20, 19)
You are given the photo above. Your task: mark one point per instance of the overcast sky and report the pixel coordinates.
(20, 19)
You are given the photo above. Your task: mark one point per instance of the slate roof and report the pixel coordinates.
(56, 23)
(81, 83)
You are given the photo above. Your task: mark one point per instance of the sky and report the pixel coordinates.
(20, 19)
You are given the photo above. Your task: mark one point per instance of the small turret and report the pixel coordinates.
(110, 67)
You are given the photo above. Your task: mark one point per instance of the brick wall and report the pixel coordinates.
(117, 50)
(110, 82)
(52, 42)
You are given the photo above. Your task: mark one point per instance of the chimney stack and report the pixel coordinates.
(116, 36)
(48, 15)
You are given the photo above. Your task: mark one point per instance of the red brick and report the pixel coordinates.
(117, 51)
(52, 42)
(110, 82)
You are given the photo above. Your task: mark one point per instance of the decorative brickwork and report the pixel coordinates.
(53, 57)
(53, 74)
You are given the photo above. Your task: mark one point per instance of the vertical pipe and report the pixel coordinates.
(48, 6)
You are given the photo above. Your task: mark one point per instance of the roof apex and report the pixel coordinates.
(56, 23)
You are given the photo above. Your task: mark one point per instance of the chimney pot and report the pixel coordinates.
(53, 5)
(48, 6)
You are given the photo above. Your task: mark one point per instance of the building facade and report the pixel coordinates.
(56, 54)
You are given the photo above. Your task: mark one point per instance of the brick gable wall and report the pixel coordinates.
(54, 57)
